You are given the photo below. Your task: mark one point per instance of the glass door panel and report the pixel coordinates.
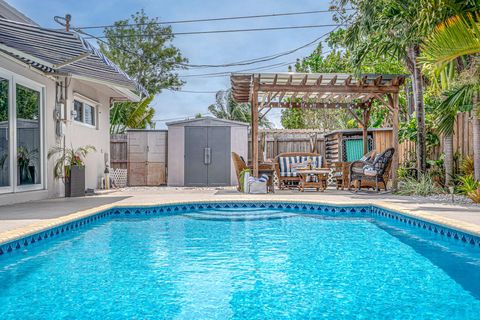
(28, 136)
(4, 133)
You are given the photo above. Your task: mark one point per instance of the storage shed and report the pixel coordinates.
(199, 151)
(347, 145)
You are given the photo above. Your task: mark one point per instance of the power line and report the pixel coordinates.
(217, 19)
(227, 73)
(192, 91)
(179, 118)
(260, 59)
(221, 31)
(239, 63)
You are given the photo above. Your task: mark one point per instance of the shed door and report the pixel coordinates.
(219, 167)
(195, 166)
(207, 156)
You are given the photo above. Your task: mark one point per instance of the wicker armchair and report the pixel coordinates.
(239, 165)
(371, 173)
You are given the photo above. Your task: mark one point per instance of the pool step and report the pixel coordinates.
(222, 215)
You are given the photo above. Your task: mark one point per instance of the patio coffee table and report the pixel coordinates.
(319, 176)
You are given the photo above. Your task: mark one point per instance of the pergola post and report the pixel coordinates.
(255, 129)
(394, 102)
(366, 119)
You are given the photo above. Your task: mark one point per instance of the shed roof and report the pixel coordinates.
(59, 52)
(208, 118)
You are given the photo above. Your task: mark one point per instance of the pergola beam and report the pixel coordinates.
(284, 88)
(316, 105)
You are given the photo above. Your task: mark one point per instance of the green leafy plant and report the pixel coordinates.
(436, 169)
(242, 178)
(475, 195)
(467, 184)
(424, 186)
(24, 159)
(68, 157)
(467, 167)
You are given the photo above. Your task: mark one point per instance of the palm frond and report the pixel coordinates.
(456, 37)
(458, 99)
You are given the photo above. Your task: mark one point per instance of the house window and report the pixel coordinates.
(78, 107)
(89, 112)
(84, 112)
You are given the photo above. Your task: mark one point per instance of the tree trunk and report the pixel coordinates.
(476, 135)
(417, 81)
(448, 162)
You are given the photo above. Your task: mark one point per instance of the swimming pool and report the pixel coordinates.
(243, 261)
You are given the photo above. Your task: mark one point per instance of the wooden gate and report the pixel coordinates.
(147, 157)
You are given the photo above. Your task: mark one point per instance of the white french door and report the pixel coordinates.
(21, 134)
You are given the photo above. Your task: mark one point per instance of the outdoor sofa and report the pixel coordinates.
(286, 163)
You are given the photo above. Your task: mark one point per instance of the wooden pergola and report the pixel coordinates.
(265, 91)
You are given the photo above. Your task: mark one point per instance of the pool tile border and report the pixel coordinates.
(18, 240)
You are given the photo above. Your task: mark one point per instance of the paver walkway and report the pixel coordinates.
(20, 218)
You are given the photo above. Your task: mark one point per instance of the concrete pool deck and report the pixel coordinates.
(23, 219)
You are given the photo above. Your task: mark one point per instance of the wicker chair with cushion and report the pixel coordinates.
(286, 164)
(371, 173)
(239, 165)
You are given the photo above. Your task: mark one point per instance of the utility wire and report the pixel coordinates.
(192, 91)
(221, 73)
(217, 19)
(260, 59)
(228, 73)
(239, 63)
(222, 31)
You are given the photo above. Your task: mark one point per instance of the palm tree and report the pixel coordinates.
(456, 37)
(397, 28)
(131, 115)
(225, 107)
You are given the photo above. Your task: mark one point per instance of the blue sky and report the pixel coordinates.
(200, 49)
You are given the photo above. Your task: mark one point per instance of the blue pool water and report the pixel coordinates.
(242, 264)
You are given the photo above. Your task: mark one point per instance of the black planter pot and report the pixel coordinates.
(27, 177)
(75, 183)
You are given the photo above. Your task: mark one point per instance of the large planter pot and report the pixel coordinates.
(75, 182)
(27, 175)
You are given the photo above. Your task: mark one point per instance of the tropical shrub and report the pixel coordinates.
(467, 184)
(475, 195)
(424, 186)
(68, 157)
(466, 167)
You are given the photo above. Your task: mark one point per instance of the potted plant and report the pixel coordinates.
(26, 170)
(69, 165)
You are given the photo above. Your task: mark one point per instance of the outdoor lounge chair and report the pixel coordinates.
(239, 165)
(371, 173)
(285, 171)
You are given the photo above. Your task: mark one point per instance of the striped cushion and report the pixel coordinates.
(317, 161)
(285, 162)
(288, 174)
(263, 178)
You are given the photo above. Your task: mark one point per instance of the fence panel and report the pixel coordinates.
(118, 151)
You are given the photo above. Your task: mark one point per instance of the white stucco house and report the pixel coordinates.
(56, 89)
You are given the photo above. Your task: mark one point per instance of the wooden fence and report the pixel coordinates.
(118, 151)
(273, 142)
(276, 141)
(143, 153)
